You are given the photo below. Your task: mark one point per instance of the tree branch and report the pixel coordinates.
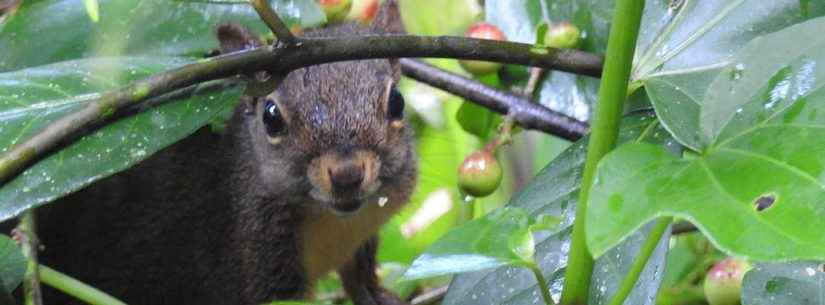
(525, 113)
(275, 24)
(281, 59)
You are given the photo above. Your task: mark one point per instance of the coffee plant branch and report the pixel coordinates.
(528, 115)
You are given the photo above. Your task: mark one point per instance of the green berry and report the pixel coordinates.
(564, 35)
(480, 174)
(336, 10)
(482, 30)
(723, 283)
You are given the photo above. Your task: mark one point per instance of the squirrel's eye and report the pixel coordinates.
(273, 121)
(395, 105)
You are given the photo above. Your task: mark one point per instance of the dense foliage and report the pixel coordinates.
(722, 130)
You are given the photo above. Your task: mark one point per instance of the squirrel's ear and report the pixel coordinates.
(388, 18)
(235, 37)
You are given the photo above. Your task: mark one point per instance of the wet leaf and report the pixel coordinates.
(755, 190)
(32, 98)
(12, 265)
(554, 192)
(685, 44)
(497, 239)
(797, 283)
(43, 32)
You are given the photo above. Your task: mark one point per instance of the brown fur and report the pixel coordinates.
(231, 219)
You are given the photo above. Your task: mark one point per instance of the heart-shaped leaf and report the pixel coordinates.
(755, 190)
(12, 265)
(31, 98)
(797, 283)
(554, 192)
(42, 32)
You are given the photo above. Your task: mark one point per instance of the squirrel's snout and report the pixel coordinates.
(343, 180)
(346, 176)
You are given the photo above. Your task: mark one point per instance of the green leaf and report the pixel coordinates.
(31, 98)
(682, 49)
(497, 239)
(769, 76)
(12, 265)
(43, 32)
(797, 283)
(554, 192)
(755, 189)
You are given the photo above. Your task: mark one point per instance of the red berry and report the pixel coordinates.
(480, 174)
(482, 30)
(336, 10)
(563, 35)
(723, 283)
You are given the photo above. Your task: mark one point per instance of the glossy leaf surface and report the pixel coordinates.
(797, 283)
(32, 98)
(43, 32)
(685, 44)
(498, 239)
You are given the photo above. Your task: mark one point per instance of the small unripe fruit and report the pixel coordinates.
(480, 174)
(363, 10)
(482, 30)
(564, 35)
(723, 283)
(336, 10)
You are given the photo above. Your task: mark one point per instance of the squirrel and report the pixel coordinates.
(297, 186)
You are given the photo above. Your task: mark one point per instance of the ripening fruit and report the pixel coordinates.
(336, 10)
(563, 35)
(723, 283)
(482, 30)
(363, 10)
(480, 174)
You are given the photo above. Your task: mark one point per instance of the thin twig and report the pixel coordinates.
(29, 244)
(542, 281)
(430, 297)
(523, 112)
(280, 59)
(536, 75)
(275, 24)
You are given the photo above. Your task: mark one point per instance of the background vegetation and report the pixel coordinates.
(722, 117)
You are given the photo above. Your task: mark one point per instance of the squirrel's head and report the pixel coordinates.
(335, 132)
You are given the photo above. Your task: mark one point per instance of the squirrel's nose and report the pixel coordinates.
(346, 176)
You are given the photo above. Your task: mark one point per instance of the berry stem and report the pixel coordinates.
(545, 289)
(75, 288)
(640, 261)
